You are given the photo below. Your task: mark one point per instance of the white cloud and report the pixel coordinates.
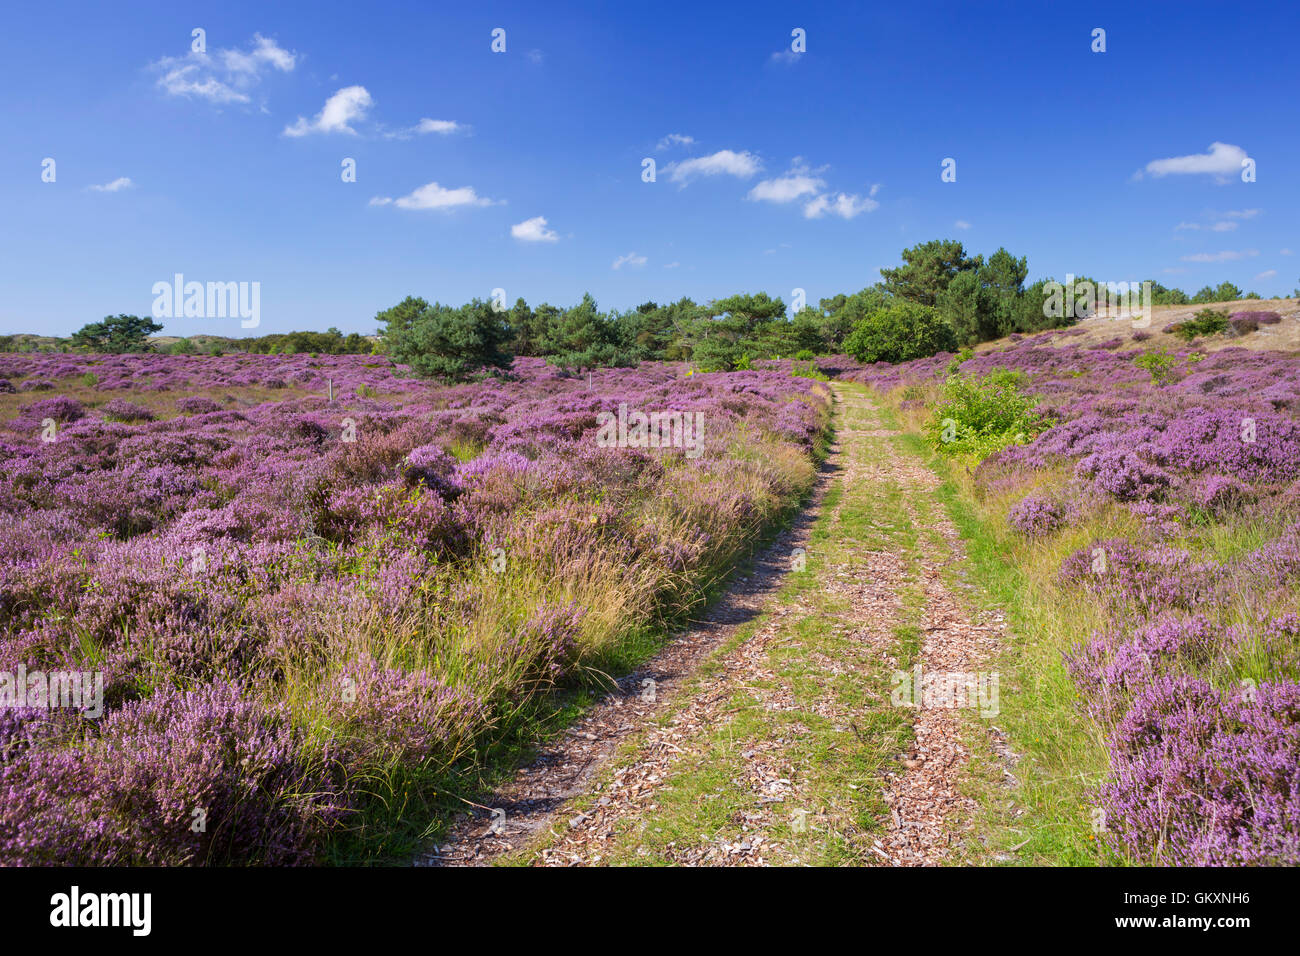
(1187, 225)
(534, 230)
(346, 106)
(1224, 226)
(797, 182)
(122, 182)
(433, 196)
(631, 259)
(265, 52)
(1241, 213)
(875, 188)
(961, 224)
(1267, 274)
(675, 139)
(671, 265)
(226, 75)
(1285, 252)
(1222, 159)
(1226, 256)
(785, 57)
(842, 205)
(535, 56)
(426, 126)
(723, 162)
(443, 127)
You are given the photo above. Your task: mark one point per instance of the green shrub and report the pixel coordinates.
(804, 355)
(976, 417)
(808, 369)
(899, 333)
(1159, 364)
(962, 357)
(1205, 322)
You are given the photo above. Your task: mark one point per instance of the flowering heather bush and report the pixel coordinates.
(1035, 516)
(120, 410)
(266, 555)
(1243, 322)
(1112, 667)
(196, 405)
(1204, 778)
(127, 793)
(60, 409)
(382, 714)
(1149, 579)
(1221, 494)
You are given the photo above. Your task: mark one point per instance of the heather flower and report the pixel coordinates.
(1036, 516)
(196, 405)
(128, 795)
(1206, 779)
(434, 467)
(385, 714)
(1221, 494)
(1112, 667)
(61, 409)
(119, 409)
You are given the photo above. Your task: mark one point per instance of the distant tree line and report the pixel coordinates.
(938, 298)
(124, 334)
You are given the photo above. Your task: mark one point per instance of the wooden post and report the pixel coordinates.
(331, 381)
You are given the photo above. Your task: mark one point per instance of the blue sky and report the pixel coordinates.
(775, 170)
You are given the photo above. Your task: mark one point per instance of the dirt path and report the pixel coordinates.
(772, 733)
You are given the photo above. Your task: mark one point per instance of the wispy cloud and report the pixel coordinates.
(961, 224)
(122, 182)
(842, 205)
(672, 265)
(796, 183)
(1227, 255)
(427, 126)
(724, 162)
(226, 75)
(631, 259)
(675, 139)
(534, 230)
(1221, 160)
(1241, 213)
(345, 107)
(784, 57)
(1267, 274)
(442, 127)
(433, 196)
